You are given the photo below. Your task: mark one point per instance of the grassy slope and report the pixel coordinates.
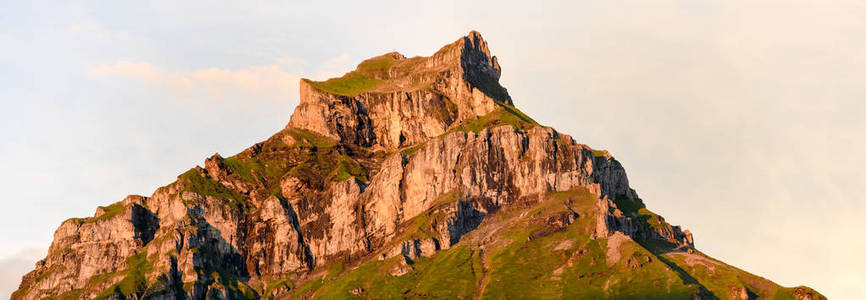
(448, 274)
(134, 281)
(367, 76)
(316, 157)
(530, 260)
(504, 115)
(311, 157)
(526, 260)
(719, 278)
(531, 265)
(520, 263)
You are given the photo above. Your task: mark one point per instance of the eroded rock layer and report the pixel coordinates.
(407, 177)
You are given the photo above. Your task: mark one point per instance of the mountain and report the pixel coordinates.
(405, 178)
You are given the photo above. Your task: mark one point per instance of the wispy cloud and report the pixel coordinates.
(273, 82)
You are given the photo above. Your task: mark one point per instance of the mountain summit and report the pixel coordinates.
(404, 178)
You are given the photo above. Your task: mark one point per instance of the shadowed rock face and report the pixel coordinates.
(410, 100)
(405, 166)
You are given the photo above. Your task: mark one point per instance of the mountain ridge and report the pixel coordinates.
(407, 177)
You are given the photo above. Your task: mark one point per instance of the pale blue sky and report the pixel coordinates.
(742, 121)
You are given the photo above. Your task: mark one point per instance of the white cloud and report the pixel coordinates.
(741, 120)
(275, 82)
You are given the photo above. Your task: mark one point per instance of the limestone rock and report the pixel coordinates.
(395, 162)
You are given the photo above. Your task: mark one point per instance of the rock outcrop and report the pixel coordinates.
(403, 165)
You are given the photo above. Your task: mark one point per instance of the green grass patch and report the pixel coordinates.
(273, 285)
(194, 181)
(446, 198)
(719, 277)
(422, 226)
(534, 263)
(348, 168)
(258, 171)
(109, 212)
(306, 290)
(411, 150)
(504, 115)
(134, 281)
(277, 159)
(378, 66)
(351, 84)
(335, 269)
(367, 76)
(631, 207)
(449, 274)
(235, 289)
(321, 167)
(69, 295)
(308, 138)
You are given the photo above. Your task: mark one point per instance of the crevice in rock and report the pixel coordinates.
(464, 220)
(304, 249)
(145, 223)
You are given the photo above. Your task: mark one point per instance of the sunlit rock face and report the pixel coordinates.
(405, 178)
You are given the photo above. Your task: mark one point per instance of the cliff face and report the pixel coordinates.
(407, 177)
(391, 101)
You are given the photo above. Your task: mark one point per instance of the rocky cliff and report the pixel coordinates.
(407, 177)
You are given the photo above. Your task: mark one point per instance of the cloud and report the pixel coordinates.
(274, 82)
(13, 267)
(741, 120)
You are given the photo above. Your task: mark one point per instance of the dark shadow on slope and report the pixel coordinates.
(304, 251)
(660, 247)
(481, 70)
(464, 220)
(145, 224)
(216, 261)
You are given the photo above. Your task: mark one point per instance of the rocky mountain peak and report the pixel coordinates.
(391, 101)
(405, 178)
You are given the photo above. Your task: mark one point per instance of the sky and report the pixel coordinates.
(742, 120)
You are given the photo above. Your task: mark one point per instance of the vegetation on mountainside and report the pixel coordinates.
(369, 74)
(720, 278)
(448, 274)
(599, 153)
(504, 115)
(422, 225)
(310, 157)
(528, 245)
(196, 182)
(108, 213)
(133, 282)
(630, 207)
(528, 258)
(225, 276)
(567, 263)
(273, 285)
(411, 150)
(350, 85)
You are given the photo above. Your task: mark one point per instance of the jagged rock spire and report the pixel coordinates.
(287, 211)
(392, 101)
